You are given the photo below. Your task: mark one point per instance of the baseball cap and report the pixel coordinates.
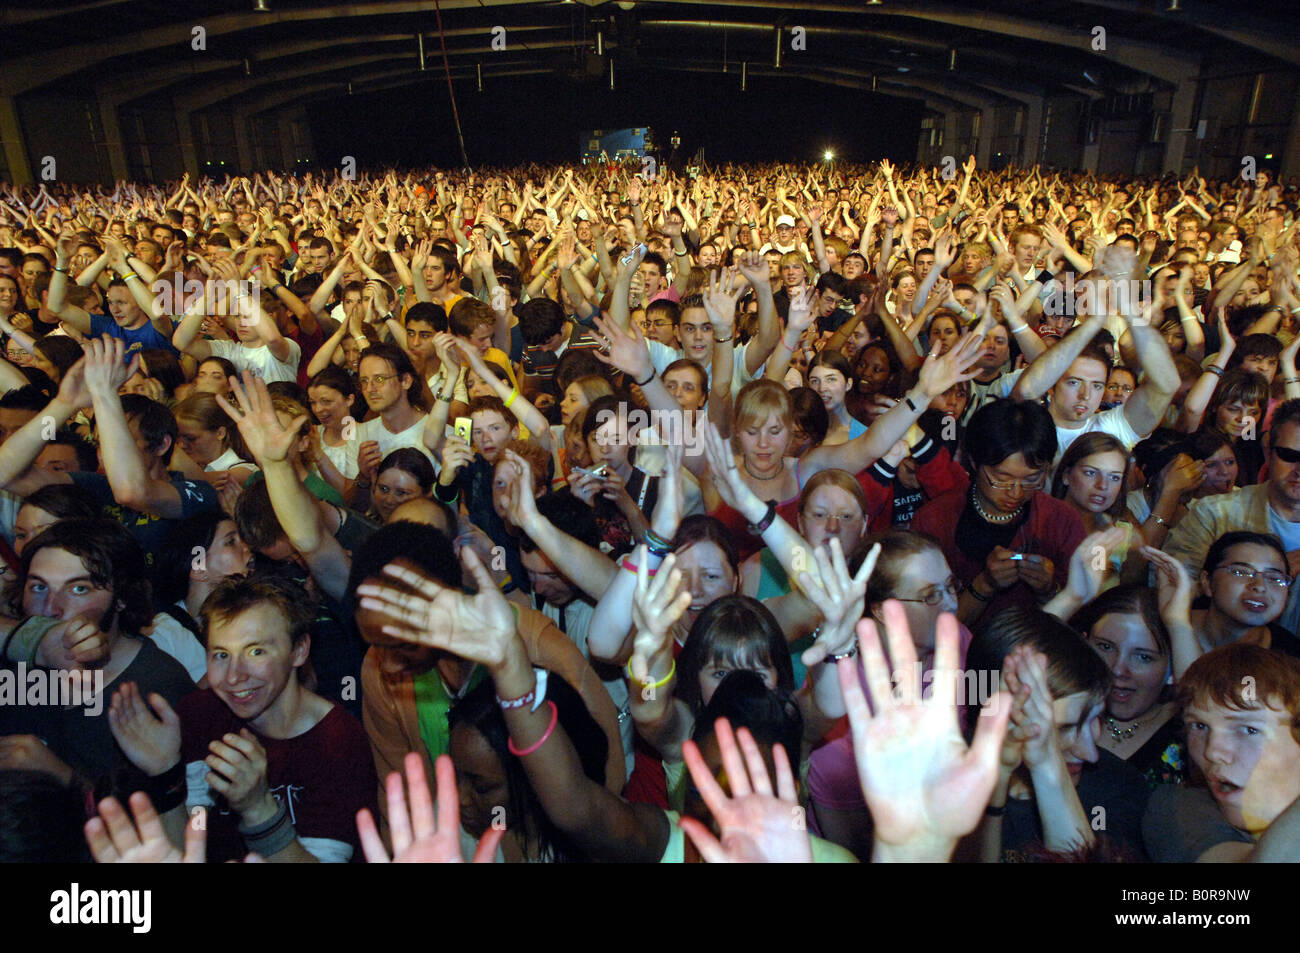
(785, 220)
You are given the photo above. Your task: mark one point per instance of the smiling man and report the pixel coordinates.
(1241, 709)
(282, 770)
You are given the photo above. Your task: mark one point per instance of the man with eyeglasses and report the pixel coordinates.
(389, 384)
(1272, 506)
(1247, 581)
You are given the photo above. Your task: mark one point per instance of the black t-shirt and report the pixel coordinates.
(1114, 797)
(151, 531)
(976, 536)
(1182, 823)
(80, 736)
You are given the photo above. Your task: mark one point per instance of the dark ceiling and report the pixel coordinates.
(968, 53)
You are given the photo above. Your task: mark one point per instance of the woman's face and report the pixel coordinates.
(607, 444)
(872, 371)
(906, 287)
(328, 405)
(706, 575)
(480, 781)
(1139, 668)
(831, 512)
(1119, 388)
(1220, 472)
(351, 354)
(229, 555)
(1095, 482)
(477, 386)
(922, 575)
(16, 355)
(953, 401)
(944, 333)
(393, 487)
(200, 445)
(9, 296)
(1248, 292)
(574, 403)
(859, 339)
(1235, 416)
(41, 363)
(28, 524)
(1176, 339)
(716, 670)
(830, 385)
(764, 446)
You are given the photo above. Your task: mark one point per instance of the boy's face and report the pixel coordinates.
(482, 338)
(491, 433)
(1250, 760)
(251, 659)
(419, 339)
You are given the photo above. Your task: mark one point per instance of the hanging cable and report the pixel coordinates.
(451, 93)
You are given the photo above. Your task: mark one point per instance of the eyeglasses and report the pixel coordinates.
(1247, 573)
(1030, 485)
(934, 597)
(1287, 455)
(379, 380)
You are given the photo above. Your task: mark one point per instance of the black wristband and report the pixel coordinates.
(167, 790)
(762, 525)
(992, 811)
(977, 594)
(445, 499)
(653, 372)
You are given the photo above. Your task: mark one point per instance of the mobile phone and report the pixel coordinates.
(464, 427)
(600, 472)
(1016, 557)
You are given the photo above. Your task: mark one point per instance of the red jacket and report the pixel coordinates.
(1053, 529)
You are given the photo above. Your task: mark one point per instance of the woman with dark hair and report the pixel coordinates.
(210, 438)
(1091, 477)
(213, 376)
(1051, 766)
(404, 474)
(809, 421)
(831, 378)
(1008, 543)
(494, 787)
(55, 353)
(1237, 409)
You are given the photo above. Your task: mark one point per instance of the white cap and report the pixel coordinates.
(785, 220)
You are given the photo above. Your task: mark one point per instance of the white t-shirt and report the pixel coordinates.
(344, 458)
(260, 360)
(180, 643)
(412, 436)
(1110, 421)
(662, 355)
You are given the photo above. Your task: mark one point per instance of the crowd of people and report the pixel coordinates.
(766, 513)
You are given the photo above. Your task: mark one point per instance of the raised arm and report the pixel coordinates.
(79, 318)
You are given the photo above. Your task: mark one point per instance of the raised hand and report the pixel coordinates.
(268, 439)
(925, 789)
(840, 596)
(1173, 586)
(1090, 562)
(757, 824)
(148, 734)
(754, 267)
(627, 349)
(115, 838)
(731, 486)
(480, 628)
(1034, 721)
(720, 302)
(104, 365)
(657, 605)
(802, 315)
(938, 373)
(418, 836)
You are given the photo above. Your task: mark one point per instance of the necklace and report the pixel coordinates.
(1121, 734)
(756, 476)
(991, 517)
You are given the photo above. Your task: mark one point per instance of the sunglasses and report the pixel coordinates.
(1287, 455)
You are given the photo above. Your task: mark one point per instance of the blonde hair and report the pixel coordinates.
(757, 401)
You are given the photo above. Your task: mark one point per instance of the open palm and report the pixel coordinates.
(267, 438)
(924, 787)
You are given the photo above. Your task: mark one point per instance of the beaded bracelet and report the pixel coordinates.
(555, 717)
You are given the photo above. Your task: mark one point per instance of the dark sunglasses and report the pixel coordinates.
(1287, 455)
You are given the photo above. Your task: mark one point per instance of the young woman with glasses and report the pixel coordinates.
(1247, 581)
(1007, 542)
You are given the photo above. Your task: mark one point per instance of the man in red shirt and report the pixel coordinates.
(281, 770)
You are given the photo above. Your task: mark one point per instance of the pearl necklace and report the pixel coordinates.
(993, 518)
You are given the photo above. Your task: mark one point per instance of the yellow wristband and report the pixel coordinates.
(511, 399)
(659, 684)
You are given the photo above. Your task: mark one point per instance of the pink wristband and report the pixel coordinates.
(555, 717)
